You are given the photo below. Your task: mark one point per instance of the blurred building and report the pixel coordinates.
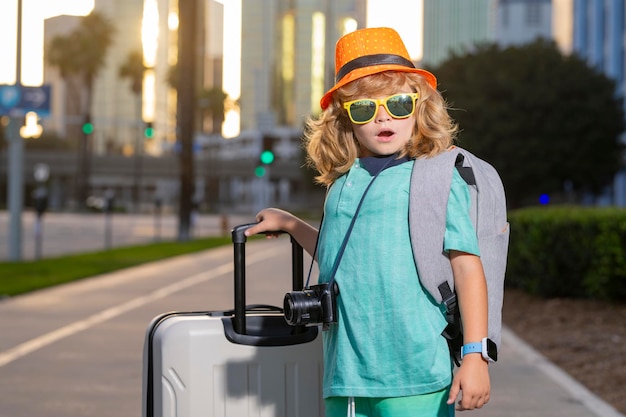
(458, 25)
(598, 34)
(115, 109)
(595, 30)
(148, 27)
(285, 62)
(522, 21)
(64, 112)
(287, 59)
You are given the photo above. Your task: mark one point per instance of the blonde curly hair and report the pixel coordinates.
(329, 139)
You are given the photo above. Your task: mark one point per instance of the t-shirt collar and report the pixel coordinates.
(373, 164)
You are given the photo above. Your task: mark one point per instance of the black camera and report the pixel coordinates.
(313, 306)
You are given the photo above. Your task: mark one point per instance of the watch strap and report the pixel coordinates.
(476, 347)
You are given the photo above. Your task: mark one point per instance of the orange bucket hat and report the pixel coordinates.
(370, 51)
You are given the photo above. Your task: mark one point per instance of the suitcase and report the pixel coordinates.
(238, 363)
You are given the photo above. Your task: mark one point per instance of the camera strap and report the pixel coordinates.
(342, 248)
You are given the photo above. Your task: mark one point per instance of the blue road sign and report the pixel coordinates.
(17, 100)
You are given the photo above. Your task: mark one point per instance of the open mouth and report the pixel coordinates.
(385, 133)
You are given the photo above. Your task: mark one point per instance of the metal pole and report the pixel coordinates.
(16, 189)
(137, 171)
(107, 230)
(158, 205)
(38, 236)
(187, 61)
(109, 204)
(16, 160)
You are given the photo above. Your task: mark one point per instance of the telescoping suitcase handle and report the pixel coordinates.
(239, 243)
(264, 330)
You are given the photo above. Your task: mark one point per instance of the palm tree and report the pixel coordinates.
(79, 56)
(94, 37)
(212, 102)
(133, 69)
(62, 53)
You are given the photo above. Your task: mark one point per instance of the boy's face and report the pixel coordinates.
(384, 134)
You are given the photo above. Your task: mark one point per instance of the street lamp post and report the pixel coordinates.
(40, 198)
(16, 160)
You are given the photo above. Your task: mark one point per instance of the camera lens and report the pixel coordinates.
(302, 307)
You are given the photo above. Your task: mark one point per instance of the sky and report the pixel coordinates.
(33, 14)
(407, 22)
(405, 16)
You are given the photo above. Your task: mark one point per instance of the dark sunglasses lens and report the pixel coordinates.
(362, 110)
(400, 106)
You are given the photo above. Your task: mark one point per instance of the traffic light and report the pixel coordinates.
(87, 125)
(148, 131)
(260, 171)
(267, 157)
(267, 153)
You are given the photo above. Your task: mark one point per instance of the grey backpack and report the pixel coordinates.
(430, 188)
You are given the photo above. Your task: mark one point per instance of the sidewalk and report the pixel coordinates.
(526, 384)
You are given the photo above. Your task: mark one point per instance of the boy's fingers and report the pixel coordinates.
(454, 392)
(250, 231)
(472, 402)
(253, 230)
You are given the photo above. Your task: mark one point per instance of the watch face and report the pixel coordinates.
(492, 349)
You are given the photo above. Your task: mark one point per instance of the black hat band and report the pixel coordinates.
(371, 60)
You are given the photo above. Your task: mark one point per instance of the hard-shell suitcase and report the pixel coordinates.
(244, 362)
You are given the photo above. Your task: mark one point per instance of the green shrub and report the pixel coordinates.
(568, 252)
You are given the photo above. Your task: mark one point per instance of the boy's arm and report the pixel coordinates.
(472, 379)
(273, 219)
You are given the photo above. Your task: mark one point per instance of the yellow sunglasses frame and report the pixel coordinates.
(379, 102)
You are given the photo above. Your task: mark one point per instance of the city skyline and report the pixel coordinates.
(34, 12)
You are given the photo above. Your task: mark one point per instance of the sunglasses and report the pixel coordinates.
(399, 106)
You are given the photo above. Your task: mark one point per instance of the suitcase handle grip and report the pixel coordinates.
(239, 243)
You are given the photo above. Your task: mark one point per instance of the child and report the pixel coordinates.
(385, 356)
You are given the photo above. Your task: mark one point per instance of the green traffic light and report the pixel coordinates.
(149, 132)
(267, 157)
(259, 171)
(88, 128)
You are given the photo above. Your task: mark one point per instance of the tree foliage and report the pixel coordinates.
(212, 104)
(133, 69)
(79, 56)
(82, 51)
(543, 119)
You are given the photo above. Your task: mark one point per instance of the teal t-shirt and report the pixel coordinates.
(387, 342)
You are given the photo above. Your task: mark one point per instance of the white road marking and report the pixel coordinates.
(37, 343)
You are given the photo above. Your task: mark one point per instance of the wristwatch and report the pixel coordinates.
(486, 347)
